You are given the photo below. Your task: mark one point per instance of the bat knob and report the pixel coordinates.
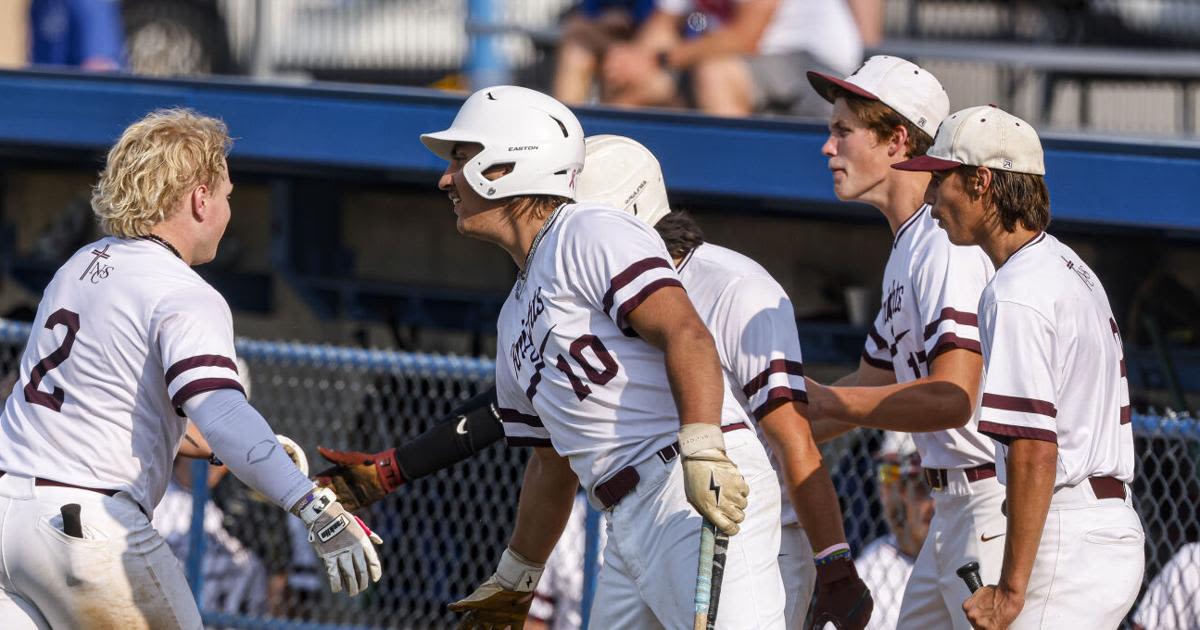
(969, 573)
(71, 524)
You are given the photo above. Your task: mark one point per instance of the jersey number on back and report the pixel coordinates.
(599, 377)
(54, 399)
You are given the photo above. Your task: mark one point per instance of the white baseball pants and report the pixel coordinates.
(1089, 564)
(967, 525)
(798, 572)
(121, 574)
(650, 562)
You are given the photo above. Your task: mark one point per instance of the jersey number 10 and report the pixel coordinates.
(596, 376)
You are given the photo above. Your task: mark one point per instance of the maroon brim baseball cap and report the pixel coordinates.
(824, 83)
(926, 163)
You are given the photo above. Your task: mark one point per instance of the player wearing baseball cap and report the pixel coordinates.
(128, 344)
(753, 325)
(921, 368)
(605, 368)
(1055, 396)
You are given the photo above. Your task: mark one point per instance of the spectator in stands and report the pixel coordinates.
(587, 33)
(558, 598)
(738, 56)
(1172, 601)
(887, 562)
(83, 33)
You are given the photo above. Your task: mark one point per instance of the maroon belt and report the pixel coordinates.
(617, 486)
(1107, 487)
(38, 481)
(938, 477)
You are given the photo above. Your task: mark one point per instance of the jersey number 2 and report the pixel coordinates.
(599, 377)
(54, 399)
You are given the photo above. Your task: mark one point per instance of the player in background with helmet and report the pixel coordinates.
(921, 369)
(605, 368)
(127, 341)
(1055, 397)
(887, 561)
(754, 327)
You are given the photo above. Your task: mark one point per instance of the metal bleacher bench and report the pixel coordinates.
(1065, 63)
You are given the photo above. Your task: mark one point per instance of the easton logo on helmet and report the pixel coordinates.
(532, 147)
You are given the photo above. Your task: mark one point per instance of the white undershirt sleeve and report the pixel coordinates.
(241, 437)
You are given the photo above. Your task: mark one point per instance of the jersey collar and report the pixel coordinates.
(909, 223)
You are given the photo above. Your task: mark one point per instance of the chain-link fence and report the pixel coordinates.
(444, 534)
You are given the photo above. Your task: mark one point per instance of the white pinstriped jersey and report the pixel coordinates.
(1055, 363)
(931, 291)
(125, 333)
(570, 372)
(754, 326)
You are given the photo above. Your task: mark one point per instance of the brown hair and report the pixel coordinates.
(157, 161)
(882, 120)
(534, 206)
(679, 231)
(1017, 197)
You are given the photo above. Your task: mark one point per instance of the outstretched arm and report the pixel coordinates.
(361, 479)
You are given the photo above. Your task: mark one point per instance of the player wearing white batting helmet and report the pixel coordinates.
(597, 343)
(922, 365)
(1055, 395)
(127, 341)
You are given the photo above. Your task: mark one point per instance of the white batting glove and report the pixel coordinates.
(712, 482)
(342, 541)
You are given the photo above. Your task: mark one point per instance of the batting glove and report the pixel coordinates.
(360, 479)
(841, 597)
(503, 600)
(711, 482)
(342, 541)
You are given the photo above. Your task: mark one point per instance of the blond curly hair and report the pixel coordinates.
(157, 161)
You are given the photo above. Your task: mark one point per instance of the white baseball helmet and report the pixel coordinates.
(536, 134)
(624, 174)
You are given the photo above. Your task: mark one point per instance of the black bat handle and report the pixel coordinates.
(71, 524)
(969, 573)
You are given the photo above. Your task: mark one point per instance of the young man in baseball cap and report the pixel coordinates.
(1055, 396)
(921, 368)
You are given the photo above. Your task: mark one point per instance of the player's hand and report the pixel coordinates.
(993, 608)
(503, 600)
(712, 483)
(342, 541)
(841, 597)
(360, 479)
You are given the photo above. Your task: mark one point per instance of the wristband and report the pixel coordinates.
(515, 573)
(699, 436)
(830, 549)
(843, 554)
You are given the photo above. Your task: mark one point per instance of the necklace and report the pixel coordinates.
(162, 241)
(537, 240)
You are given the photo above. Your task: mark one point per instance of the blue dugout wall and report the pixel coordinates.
(745, 165)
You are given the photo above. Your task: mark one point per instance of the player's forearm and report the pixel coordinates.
(805, 477)
(241, 437)
(927, 404)
(547, 493)
(472, 427)
(1031, 467)
(694, 371)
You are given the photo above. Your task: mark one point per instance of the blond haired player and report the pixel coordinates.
(604, 366)
(921, 369)
(127, 341)
(1055, 396)
(753, 324)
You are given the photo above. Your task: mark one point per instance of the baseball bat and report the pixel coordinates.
(71, 523)
(711, 570)
(969, 573)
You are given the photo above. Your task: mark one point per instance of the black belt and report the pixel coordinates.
(617, 486)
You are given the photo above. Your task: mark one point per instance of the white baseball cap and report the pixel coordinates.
(898, 83)
(982, 136)
(623, 174)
